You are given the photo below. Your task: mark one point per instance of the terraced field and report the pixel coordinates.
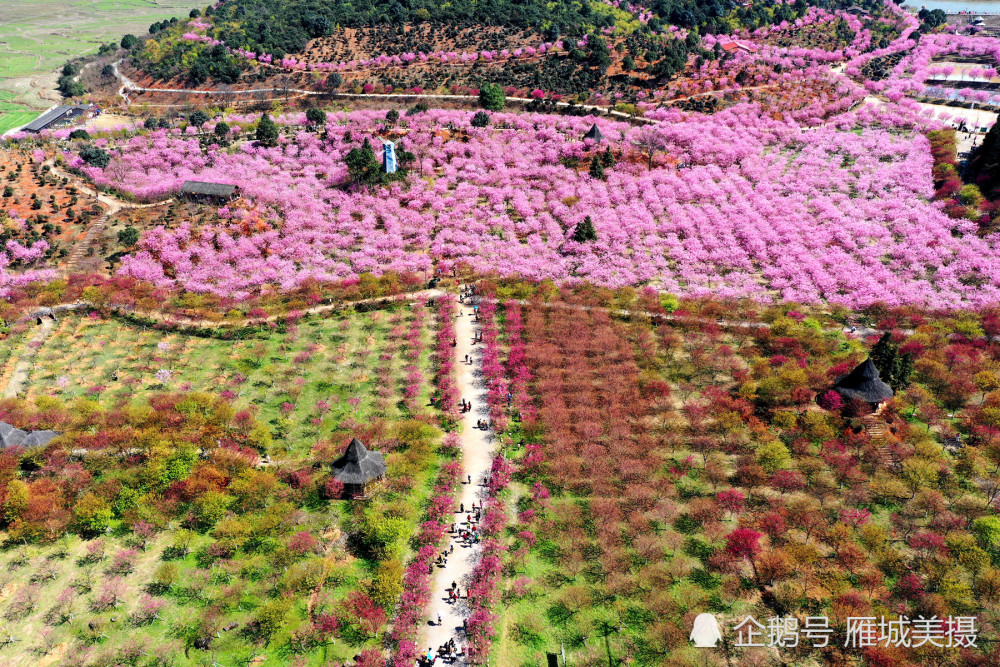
(37, 36)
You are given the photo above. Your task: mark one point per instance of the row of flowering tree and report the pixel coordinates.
(432, 535)
(745, 495)
(485, 579)
(849, 212)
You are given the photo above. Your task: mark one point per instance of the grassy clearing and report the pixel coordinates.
(283, 374)
(38, 36)
(15, 65)
(11, 119)
(215, 580)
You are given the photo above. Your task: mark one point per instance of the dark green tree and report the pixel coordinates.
(128, 237)
(363, 168)
(222, 129)
(194, 13)
(79, 134)
(599, 55)
(597, 168)
(267, 132)
(333, 82)
(316, 116)
(403, 156)
(585, 231)
(392, 117)
(70, 87)
(316, 26)
(491, 97)
(128, 41)
(480, 119)
(608, 158)
(894, 368)
(198, 118)
(95, 156)
(932, 18)
(107, 72)
(628, 63)
(986, 161)
(198, 73)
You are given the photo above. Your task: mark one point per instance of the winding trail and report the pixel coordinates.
(114, 206)
(128, 84)
(477, 456)
(109, 200)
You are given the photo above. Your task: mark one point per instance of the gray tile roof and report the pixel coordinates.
(52, 116)
(203, 188)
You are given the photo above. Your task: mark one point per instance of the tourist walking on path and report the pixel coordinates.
(477, 446)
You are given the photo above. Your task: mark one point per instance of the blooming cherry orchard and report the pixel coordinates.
(764, 210)
(26, 256)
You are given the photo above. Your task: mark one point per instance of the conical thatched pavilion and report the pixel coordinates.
(863, 383)
(594, 133)
(358, 468)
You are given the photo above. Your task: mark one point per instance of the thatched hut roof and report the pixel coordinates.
(358, 465)
(863, 383)
(594, 133)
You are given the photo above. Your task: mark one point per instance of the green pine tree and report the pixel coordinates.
(894, 368)
(316, 117)
(986, 159)
(491, 97)
(267, 132)
(608, 158)
(585, 231)
(363, 168)
(480, 119)
(597, 168)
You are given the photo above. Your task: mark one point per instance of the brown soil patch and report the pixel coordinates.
(56, 199)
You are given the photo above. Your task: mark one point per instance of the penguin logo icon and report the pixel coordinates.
(705, 633)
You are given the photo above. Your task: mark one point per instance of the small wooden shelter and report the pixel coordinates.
(864, 383)
(359, 468)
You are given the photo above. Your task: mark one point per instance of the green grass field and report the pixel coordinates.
(12, 119)
(71, 597)
(284, 375)
(38, 36)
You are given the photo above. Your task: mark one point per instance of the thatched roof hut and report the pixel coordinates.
(594, 133)
(863, 383)
(358, 466)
